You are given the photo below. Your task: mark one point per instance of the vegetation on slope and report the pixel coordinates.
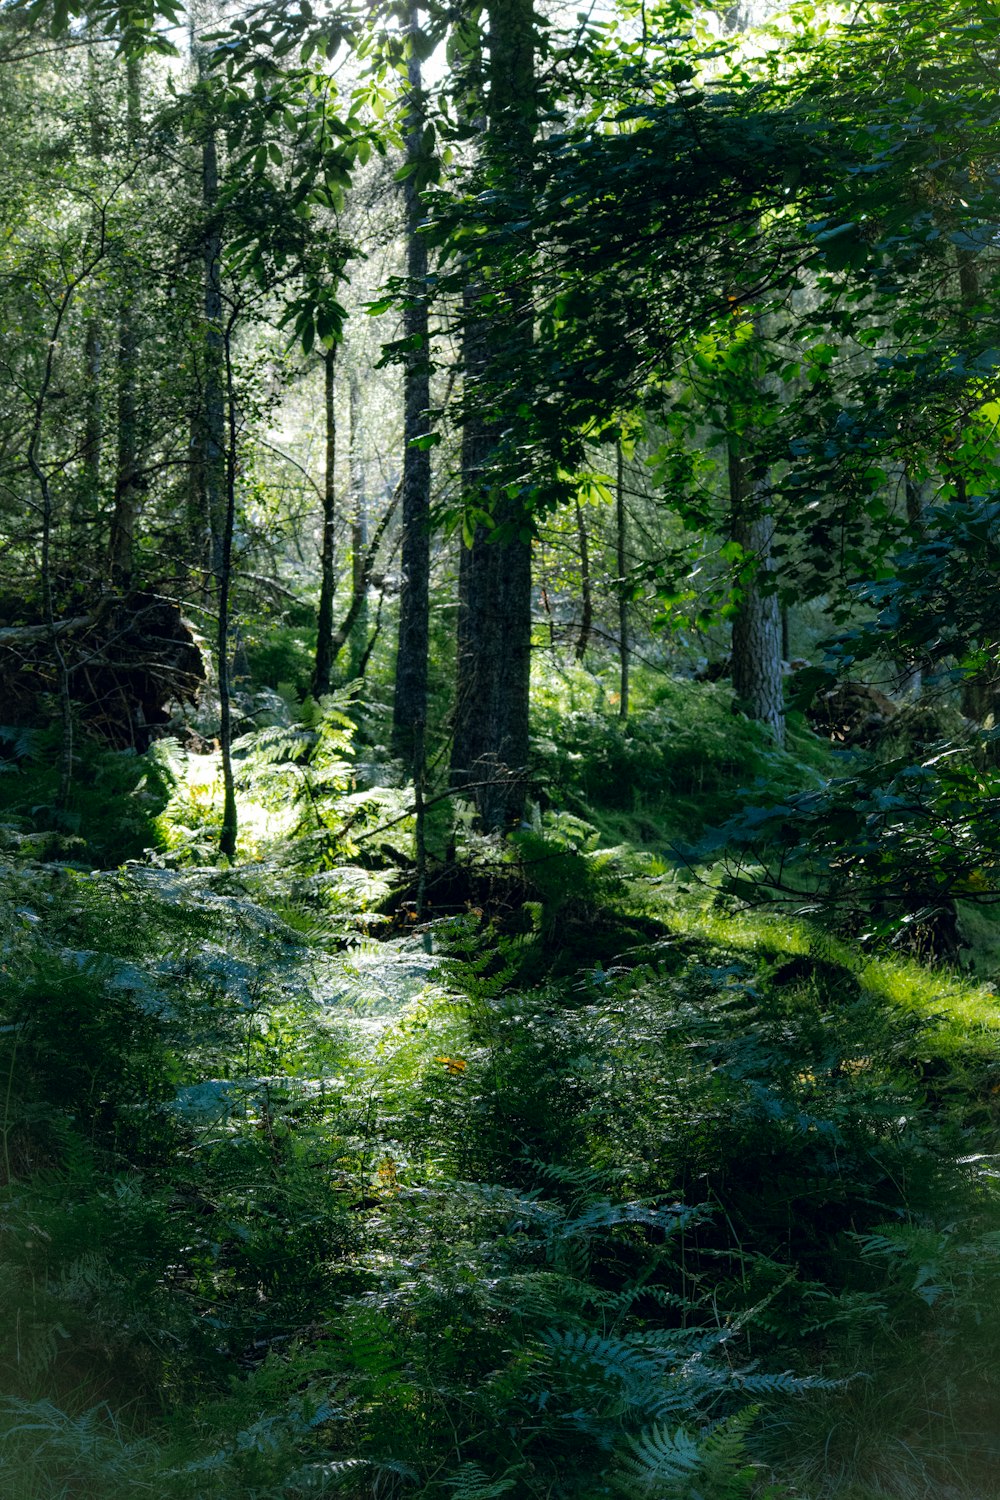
(595, 1185)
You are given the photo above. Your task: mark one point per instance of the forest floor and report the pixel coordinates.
(599, 1183)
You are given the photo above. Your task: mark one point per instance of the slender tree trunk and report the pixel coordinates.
(121, 546)
(354, 625)
(210, 422)
(490, 749)
(757, 676)
(86, 500)
(93, 427)
(621, 537)
(410, 699)
(359, 536)
(323, 675)
(223, 576)
(587, 613)
(910, 680)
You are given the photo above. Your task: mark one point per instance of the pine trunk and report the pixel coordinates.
(224, 574)
(490, 750)
(121, 546)
(410, 700)
(586, 595)
(213, 412)
(621, 537)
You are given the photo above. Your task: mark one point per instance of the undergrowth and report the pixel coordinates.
(587, 1187)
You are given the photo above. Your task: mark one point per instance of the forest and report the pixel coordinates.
(499, 770)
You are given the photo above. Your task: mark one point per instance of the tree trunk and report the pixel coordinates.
(354, 625)
(86, 500)
(587, 613)
(621, 535)
(211, 426)
(490, 749)
(121, 545)
(323, 675)
(757, 675)
(223, 577)
(410, 700)
(359, 537)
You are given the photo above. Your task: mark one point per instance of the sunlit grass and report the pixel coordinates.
(961, 1009)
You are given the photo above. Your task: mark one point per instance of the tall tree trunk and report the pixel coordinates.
(214, 403)
(223, 578)
(621, 538)
(323, 674)
(209, 426)
(121, 546)
(359, 536)
(490, 748)
(757, 676)
(86, 499)
(586, 594)
(410, 699)
(93, 423)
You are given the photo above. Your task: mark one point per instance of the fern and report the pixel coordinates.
(579, 1347)
(89, 1446)
(659, 1458)
(470, 1482)
(319, 1478)
(668, 1462)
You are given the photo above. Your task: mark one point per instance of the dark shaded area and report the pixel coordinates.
(128, 660)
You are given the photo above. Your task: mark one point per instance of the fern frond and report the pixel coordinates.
(613, 1357)
(470, 1482)
(673, 1462)
(659, 1457)
(319, 1478)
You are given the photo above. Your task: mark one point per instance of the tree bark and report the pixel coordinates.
(757, 677)
(323, 674)
(490, 748)
(121, 545)
(86, 500)
(223, 576)
(621, 537)
(586, 595)
(410, 698)
(360, 575)
(211, 419)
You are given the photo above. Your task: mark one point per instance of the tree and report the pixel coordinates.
(490, 747)
(410, 689)
(323, 670)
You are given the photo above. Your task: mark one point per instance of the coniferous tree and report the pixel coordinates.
(490, 747)
(410, 692)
